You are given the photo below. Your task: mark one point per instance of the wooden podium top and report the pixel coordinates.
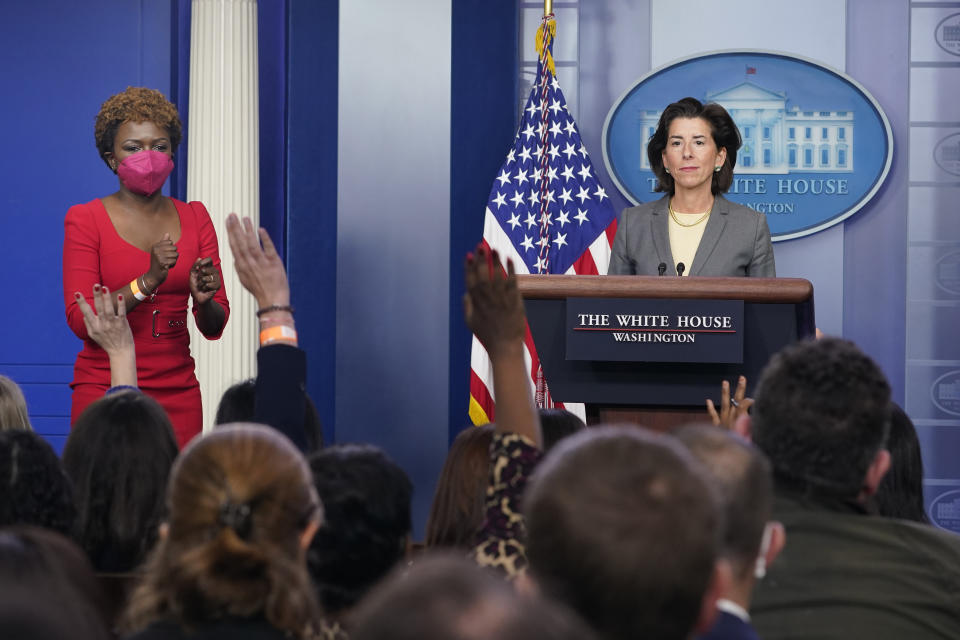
(769, 290)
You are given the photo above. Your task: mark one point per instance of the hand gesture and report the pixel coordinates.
(163, 257)
(492, 305)
(260, 270)
(204, 280)
(106, 326)
(730, 409)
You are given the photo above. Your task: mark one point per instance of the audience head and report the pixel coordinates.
(457, 510)
(450, 598)
(366, 527)
(821, 414)
(39, 566)
(745, 483)
(136, 104)
(238, 405)
(557, 424)
(118, 456)
(624, 526)
(900, 494)
(33, 487)
(13, 406)
(241, 510)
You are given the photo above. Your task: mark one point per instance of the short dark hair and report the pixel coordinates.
(624, 527)
(33, 487)
(458, 503)
(900, 494)
(557, 424)
(135, 104)
(238, 404)
(821, 414)
(447, 597)
(725, 136)
(40, 565)
(366, 500)
(745, 481)
(119, 456)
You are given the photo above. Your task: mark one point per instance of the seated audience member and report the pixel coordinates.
(900, 494)
(822, 417)
(366, 525)
(238, 404)
(33, 487)
(448, 598)
(118, 457)
(458, 501)
(280, 399)
(751, 540)
(13, 406)
(557, 424)
(230, 560)
(49, 590)
(622, 525)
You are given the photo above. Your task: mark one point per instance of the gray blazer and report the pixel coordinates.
(736, 242)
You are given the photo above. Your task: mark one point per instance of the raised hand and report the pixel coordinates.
(204, 280)
(108, 327)
(260, 270)
(730, 409)
(492, 305)
(163, 257)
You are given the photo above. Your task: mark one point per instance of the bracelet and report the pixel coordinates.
(135, 288)
(121, 387)
(274, 307)
(279, 333)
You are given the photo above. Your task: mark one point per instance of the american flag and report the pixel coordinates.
(547, 212)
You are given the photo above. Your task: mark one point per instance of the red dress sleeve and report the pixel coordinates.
(209, 248)
(81, 263)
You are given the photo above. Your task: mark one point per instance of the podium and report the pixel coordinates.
(661, 395)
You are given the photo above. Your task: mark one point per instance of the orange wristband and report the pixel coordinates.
(135, 288)
(279, 333)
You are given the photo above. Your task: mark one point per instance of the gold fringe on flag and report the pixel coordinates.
(548, 27)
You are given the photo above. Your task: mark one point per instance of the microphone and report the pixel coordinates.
(680, 268)
(661, 268)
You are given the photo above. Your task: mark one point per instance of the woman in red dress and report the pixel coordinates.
(154, 252)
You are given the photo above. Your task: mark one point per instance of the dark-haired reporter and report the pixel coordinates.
(693, 153)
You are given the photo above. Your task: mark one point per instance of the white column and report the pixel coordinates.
(223, 173)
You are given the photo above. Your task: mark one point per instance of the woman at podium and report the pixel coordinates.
(693, 230)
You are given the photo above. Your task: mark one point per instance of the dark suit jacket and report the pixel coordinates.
(729, 627)
(736, 242)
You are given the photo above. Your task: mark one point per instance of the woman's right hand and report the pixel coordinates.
(163, 257)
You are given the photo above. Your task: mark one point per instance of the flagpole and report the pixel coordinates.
(547, 7)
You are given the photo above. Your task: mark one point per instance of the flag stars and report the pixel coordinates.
(550, 198)
(532, 108)
(570, 128)
(563, 219)
(511, 156)
(500, 200)
(555, 128)
(517, 199)
(581, 216)
(584, 172)
(534, 197)
(546, 219)
(521, 176)
(560, 240)
(528, 132)
(583, 151)
(600, 193)
(583, 194)
(566, 196)
(527, 242)
(570, 151)
(568, 173)
(555, 106)
(555, 84)
(504, 177)
(514, 221)
(531, 219)
(551, 174)
(554, 151)
(525, 154)
(536, 175)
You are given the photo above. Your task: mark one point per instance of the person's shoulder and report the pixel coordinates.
(85, 210)
(738, 210)
(646, 208)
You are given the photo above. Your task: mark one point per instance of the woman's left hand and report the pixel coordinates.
(204, 280)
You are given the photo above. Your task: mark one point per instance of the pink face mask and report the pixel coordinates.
(145, 172)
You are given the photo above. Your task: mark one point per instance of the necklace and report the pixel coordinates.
(673, 214)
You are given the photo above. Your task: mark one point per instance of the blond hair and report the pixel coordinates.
(13, 406)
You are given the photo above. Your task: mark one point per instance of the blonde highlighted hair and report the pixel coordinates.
(13, 406)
